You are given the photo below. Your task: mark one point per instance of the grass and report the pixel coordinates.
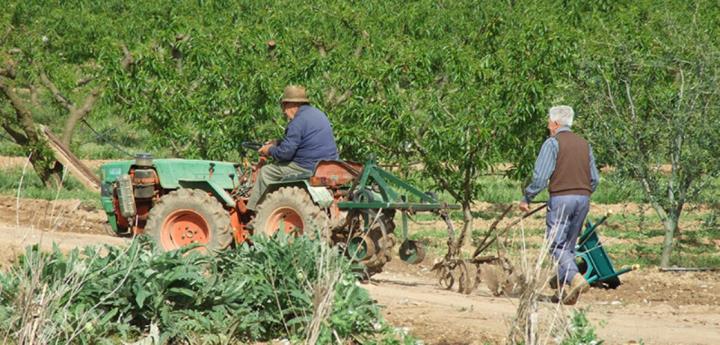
(32, 187)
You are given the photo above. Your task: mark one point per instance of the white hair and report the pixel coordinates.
(562, 114)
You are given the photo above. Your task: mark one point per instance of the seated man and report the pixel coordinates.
(308, 139)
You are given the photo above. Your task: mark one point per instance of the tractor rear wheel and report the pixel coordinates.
(188, 216)
(292, 211)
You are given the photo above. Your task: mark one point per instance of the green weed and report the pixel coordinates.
(580, 331)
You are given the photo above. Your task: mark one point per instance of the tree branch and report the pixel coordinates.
(443, 181)
(630, 100)
(23, 115)
(611, 98)
(19, 138)
(90, 101)
(56, 93)
(78, 114)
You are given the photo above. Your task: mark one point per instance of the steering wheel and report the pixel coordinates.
(251, 145)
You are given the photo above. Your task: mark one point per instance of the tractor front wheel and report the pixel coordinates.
(189, 216)
(290, 210)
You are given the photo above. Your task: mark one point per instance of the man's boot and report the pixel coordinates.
(578, 285)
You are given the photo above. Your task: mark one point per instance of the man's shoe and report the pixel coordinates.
(579, 281)
(578, 285)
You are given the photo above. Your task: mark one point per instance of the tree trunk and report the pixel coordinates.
(671, 225)
(42, 159)
(467, 226)
(47, 168)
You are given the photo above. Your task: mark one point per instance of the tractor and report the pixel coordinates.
(180, 202)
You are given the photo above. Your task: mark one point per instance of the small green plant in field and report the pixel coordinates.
(271, 290)
(580, 331)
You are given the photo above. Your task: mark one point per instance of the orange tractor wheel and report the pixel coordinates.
(292, 211)
(189, 216)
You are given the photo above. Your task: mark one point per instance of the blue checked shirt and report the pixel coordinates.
(545, 165)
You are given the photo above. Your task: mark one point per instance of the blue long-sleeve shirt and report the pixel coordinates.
(308, 139)
(545, 166)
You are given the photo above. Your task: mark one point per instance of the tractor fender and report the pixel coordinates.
(211, 187)
(321, 196)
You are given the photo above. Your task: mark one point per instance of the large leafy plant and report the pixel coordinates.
(113, 294)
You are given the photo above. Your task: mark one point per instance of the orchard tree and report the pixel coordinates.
(50, 66)
(652, 88)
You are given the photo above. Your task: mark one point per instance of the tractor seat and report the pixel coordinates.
(332, 173)
(329, 173)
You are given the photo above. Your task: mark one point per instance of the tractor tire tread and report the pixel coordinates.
(300, 200)
(220, 235)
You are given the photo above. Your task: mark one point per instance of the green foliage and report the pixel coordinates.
(247, 294)
(580, 331)
(470, 78)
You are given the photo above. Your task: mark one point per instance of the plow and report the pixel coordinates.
(498, 271)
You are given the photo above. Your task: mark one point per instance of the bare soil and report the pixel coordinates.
(650, 306)
(57, 215)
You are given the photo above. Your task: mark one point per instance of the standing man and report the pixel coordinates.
(566, 160)
(308, 139)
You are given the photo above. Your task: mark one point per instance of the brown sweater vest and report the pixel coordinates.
(572, 167)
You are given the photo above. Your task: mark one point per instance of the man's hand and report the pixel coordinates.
(265, 149)
(524, 207)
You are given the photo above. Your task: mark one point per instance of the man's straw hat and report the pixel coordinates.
(294, 93)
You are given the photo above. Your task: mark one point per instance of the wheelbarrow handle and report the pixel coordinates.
(484, 245)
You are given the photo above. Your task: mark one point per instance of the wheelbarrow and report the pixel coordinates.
(593, 261)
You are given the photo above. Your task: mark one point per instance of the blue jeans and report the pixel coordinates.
(565, 217)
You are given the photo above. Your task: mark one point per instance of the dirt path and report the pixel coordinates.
(14, 240)
(412, 300)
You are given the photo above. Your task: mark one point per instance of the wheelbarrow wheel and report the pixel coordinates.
(612, 283)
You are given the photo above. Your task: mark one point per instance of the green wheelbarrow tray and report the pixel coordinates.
(594, 262)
